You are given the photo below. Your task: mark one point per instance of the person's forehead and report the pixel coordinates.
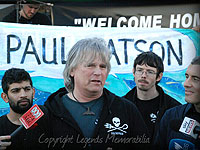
(145, 66)
(92, 57)
(19, 85)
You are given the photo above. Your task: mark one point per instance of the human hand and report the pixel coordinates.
(4, 144)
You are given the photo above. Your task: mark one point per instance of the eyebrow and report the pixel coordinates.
(144, 69)
(21, 88)
(193, 76)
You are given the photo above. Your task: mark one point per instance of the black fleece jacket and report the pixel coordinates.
(129, 132)
(26, 139)
(166, 102)
(38, 18)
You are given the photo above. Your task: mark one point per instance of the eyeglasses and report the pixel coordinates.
(148, 72)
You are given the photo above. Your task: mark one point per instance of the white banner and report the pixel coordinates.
(41, 50)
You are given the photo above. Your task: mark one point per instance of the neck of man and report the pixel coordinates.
(22, 13)
(197, 107)
(14, 117)
(84, 97)
(147, 94)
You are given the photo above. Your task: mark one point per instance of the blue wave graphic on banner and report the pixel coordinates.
(176, 46)
(119, 84)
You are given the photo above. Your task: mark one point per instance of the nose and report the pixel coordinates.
(23, 93)
(187, 82)
(97, 71)
(33, 10)
(144, 74)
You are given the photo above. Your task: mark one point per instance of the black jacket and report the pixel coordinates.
(38, 18)
(169, 131)
(26, 139)
(65, 128)
(166, 102)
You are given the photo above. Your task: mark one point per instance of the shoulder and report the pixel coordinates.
(130, 94)
(44, 19)
(173, 102)
(41, 15)
(3, 120)
(44, 120)
(123, 104)
(176, 112)
(167, 100)
(11, 17)
(125, 101)
(43, 108)
(54, 96)
(3, 124)
(118, 101)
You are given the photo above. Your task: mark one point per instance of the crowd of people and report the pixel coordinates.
(85, 115)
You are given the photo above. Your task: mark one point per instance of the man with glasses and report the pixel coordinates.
(150, 98)
(28, 14)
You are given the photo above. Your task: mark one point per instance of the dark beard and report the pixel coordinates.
(19, 109)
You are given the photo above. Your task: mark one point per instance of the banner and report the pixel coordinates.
(121, 14)
(124, 15)
(41, 50)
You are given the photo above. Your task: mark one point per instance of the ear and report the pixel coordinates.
(33, 92)
(159, 76)
(72, 73)
(133, 71)
(4, 97)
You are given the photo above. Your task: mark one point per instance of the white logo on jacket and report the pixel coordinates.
(153, 117)
(116, 127)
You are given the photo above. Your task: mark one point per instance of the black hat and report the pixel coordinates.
(32, 2)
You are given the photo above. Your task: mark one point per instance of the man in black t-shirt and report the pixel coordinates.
(18, 91)
(28, 14)
(150, 98)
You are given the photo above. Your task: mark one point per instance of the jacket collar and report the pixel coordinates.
(189, 109)
(132, 94)
(55, 105)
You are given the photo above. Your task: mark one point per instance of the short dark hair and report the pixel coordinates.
(196, 60)
(14, 75)
(151, 59)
